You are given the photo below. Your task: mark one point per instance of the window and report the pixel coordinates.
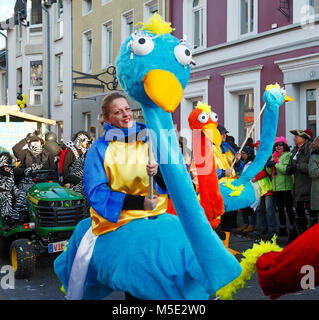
(195, 22)
(59, 19)
(19, 80)
(36, 74)
(246, 116)
(311, 96)
(36, 12)
(242, 18)
(59, 79)
(127, 24)
(150, 7)
(87, 121)
(246, 16)
(107, 44)
(315, 5)
(87, 52)
(87, 7)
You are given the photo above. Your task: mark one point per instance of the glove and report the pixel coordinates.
(271, 164)
(290, 169)
(27, 171)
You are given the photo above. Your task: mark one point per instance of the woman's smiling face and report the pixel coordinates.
(119, 114)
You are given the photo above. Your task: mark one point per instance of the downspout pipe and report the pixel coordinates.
(6, 69)
(48, 58)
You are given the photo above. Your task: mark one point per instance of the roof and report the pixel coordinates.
(14, 111)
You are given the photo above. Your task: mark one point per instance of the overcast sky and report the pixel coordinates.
(6, 11)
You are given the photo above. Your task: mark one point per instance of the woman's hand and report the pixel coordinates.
(150, 204)
(237, 156)
(152, 169)
(68, 185)
(228, 172)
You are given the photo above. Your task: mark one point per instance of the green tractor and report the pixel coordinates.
(53, 213)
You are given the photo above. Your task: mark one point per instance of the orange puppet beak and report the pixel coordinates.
(287, 98)
(212, 133)
(163, 88)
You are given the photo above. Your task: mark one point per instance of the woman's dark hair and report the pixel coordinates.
(107, 100)
(286, 147)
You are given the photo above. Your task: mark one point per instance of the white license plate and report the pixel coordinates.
(57, 246)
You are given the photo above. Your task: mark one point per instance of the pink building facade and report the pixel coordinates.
(240, 47)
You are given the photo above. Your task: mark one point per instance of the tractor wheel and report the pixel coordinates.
(23, 258)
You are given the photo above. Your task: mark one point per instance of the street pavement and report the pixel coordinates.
(44, 285)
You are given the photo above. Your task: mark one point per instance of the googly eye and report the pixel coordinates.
(183, 54)
(143, 45)
(203, 117)
(214, 116)
(283, 91)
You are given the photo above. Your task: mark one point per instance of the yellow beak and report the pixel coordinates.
(287, 98)
(163, 88)
(212, 133)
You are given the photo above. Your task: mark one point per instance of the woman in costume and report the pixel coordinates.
(148, 253)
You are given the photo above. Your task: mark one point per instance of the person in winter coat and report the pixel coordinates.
(314, 175)
(11, 198)
(298, 166)
(73, 164)
(281, 185)
(248, 214)
(33, 157)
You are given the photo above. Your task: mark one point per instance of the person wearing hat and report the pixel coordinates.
(224, 156)
(298, 166)
(33, 157)
(314, 175)
(51, 143)
(11, 198)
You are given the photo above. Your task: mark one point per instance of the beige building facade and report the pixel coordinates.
(99, 29)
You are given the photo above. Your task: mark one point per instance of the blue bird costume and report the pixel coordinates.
(151, 256)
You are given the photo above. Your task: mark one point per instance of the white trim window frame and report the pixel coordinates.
(35, 90)
(150, 7)
(248, 13)
(195, 11)
(107, 44)
(59, 79)
(87, 51)
(59, 20)
(234, 19)
(237, 82)
(127, 24)
(304, 94)
(87, 7)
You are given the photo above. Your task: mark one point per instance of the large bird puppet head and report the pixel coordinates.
(153, 66)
